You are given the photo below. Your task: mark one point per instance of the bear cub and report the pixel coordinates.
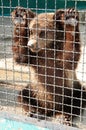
(50, 43)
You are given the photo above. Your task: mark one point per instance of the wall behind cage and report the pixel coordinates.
(6, 6)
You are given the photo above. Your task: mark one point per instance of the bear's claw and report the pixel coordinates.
(71, 17)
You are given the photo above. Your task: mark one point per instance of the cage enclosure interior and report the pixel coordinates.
(42, 63)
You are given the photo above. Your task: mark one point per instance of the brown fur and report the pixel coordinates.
(20, 17)
(54, 52)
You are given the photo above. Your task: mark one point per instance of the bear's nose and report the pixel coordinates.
(31, 44)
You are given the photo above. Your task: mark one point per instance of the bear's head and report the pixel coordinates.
(41, 32)
(49, 28)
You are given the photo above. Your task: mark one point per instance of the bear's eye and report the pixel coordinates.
(42, 34)
(31, 32)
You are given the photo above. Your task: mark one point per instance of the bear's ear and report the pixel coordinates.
(30, 15)
(59, 19)
(58, 15)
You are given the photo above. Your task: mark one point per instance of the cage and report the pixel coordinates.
(42, 64)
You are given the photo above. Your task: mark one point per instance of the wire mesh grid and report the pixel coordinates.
(42, 62)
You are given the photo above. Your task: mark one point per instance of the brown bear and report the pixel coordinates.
(53, 53)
